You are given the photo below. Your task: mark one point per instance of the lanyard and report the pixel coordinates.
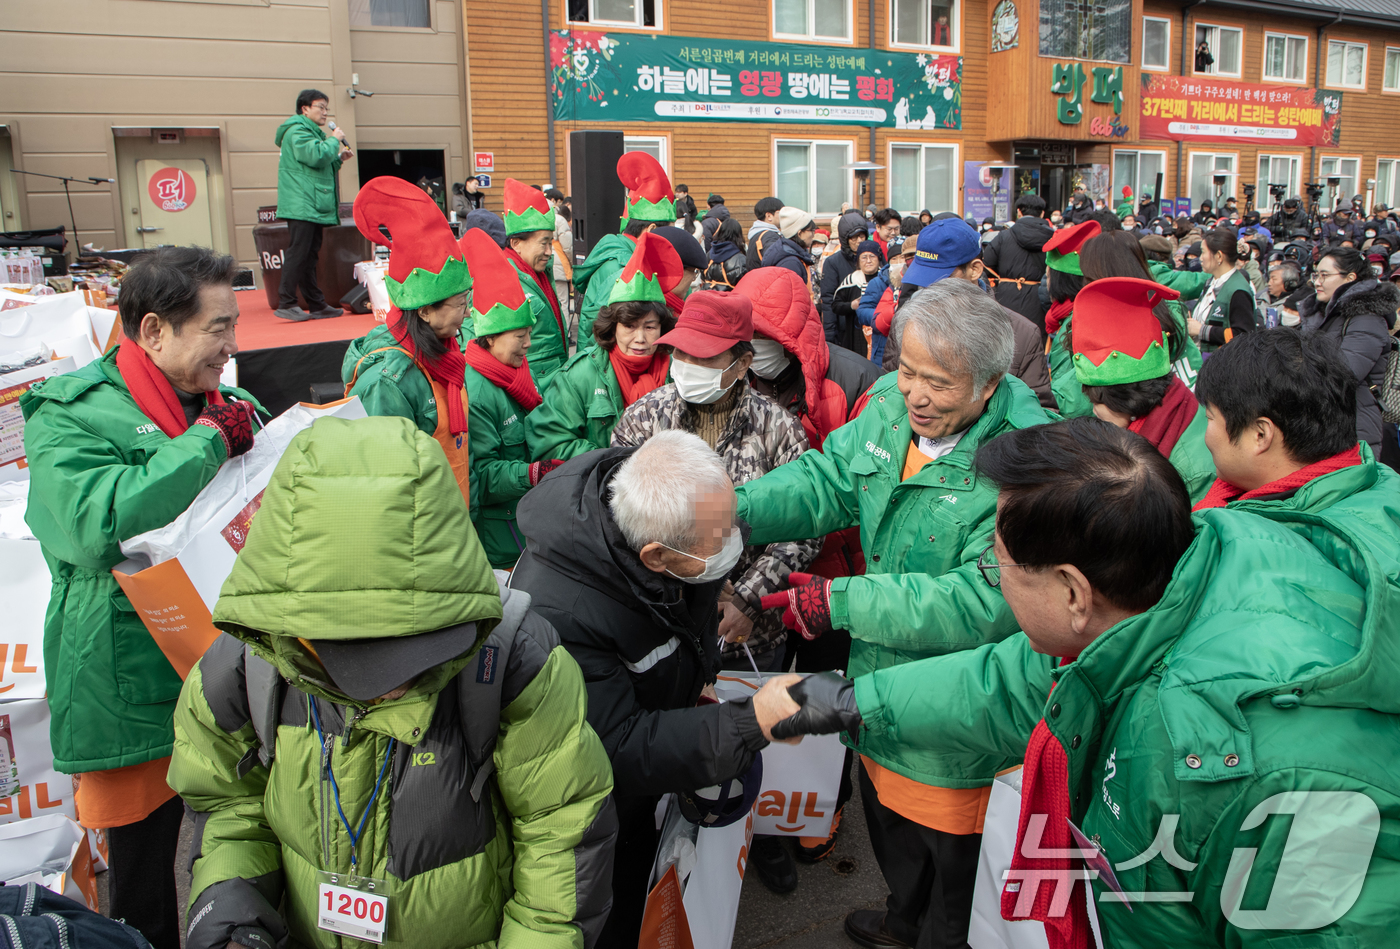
(369, 806)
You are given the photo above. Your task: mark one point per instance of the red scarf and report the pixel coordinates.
(546, 287)
(1223, 492)
(1057, 314)
(448, 370)
(638, 375)
(1164, 424)
(674, 303)
(517, 382)
(154, 394)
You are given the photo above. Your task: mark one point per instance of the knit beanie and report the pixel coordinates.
(793, 221)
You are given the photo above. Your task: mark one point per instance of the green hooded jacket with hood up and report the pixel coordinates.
(594, 278)
(307, 187)
(363, 534)
(1263, 682)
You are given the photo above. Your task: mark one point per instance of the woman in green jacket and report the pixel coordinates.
(413, 365)
(586, 398)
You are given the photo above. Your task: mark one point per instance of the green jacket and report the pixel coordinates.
(1191, 458)
(580, 409)
(101, 473)
(389, 382)
(594, 278)
(521, 858)
(1267, 668)
(500, 467)
(547, 346)
(922, 594)
(1069, 394)
(1189, 283)
(307, 186)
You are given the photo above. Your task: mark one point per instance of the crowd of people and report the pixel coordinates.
(1099, 500)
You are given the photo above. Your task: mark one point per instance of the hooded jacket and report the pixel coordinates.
(500, 473)
(761, 234)
(788, 254)
(580, 409)
(875, 291)
(387, 380)
(307, 186)
(1266, 669)
(835, 270)
(710, 223)
(594, 278)
(1359, 317)
(1016, 255)
(724, 265)
(520, 853)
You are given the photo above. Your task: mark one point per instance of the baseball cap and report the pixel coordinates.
(686, 246)
(365, 669)
(711, 323)
(942, 247)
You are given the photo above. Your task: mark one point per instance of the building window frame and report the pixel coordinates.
(955, 185)
(638, 23)
(432, 26)
(1385, 86)
(1302, 80)
(1215, 69)
(811, 36)
(1393, 198)
(1116, 189)
(1365, 63)
(1343, 197)
(1262, 197)
(662, 141)
(955, 29)
(1167, 48)
(1232, 176)
(810, 202)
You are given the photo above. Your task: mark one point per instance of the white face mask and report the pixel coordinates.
(699, 385)
(717, 566)
(769, 358)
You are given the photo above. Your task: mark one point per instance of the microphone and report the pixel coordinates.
(98, 181)
(331, 125)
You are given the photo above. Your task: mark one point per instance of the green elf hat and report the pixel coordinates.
(527, 209)
(425, 263)
(498, 301)
(1062, 249)
(1116, 338)
(649, 194)
(653, 269)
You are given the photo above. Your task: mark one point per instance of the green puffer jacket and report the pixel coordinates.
(389, 383)
(500, 467)
(472, 858)
(1191, 458)
(922, 595)
(594, 278)
(307, 186)
(1069, 393)
(580, 409)
(1263, 677)
(547, 349)
(101, 473)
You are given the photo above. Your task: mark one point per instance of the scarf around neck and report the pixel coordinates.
(1223, 492)
(447, 370)
(1057, 314)
(517, 383)
(638, 375)
(154, 395)
(1165, 423)
(546, 286)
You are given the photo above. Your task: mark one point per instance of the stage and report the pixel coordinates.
(278, 360)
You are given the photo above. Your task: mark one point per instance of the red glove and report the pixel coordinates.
(233, 421)
(807, 602)
(538, 469)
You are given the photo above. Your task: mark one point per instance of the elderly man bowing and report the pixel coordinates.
(120, 447)
(903, 472)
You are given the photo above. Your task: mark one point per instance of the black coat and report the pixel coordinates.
(788, 253)
(1018, 252)
(835, 270)
(1359, 317)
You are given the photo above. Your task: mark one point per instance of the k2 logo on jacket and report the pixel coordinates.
(422, 758)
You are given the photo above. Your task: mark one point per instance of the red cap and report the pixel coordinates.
(711, 323)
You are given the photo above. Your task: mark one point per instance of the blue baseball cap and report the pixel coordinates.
(943, 247)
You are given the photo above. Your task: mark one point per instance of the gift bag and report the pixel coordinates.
(24, 591)
(174, 573)
(30, 788)
(800, 782)
(699, 877)
(51, 851)
(13, 385)
(64, 322)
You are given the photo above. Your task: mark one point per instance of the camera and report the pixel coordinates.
(1315, 191)
(1248, 190)
(1278, 191)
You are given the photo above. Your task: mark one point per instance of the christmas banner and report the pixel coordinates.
(1202, 109)
(630, 77)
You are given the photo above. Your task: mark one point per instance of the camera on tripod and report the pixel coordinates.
(1315, 192)
(1278, 191)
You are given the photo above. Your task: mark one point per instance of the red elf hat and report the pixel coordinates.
(1062, 249)
(527, 209)
(1117, 339)
(498, 301)
(653, 269)
(649, 194)
(425, 263)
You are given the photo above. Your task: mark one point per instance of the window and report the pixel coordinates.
(1156, 43)
(412, 13)
(1391, 82)
(613, 12)
(1137, 170)
(653, 145)
(809, 175)
(1221, 56)
(1086, 29)
(1285, 57)
(1388, 182)
(1346, 64)
(1286, 170)
(1205, 168)
(1346, 169)
(924, 23)
(814, 19)
(923, 176)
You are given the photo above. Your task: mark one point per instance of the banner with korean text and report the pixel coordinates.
(1204, 109)
(629, 77)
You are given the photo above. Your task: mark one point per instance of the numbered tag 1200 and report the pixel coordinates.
(356, 907)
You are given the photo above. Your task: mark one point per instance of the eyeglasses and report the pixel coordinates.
(991, 570)
(1319, 274)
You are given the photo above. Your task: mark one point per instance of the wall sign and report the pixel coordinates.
(1067, 82)
(171, 189)
(1006, 27)
(1184, 108)
(627, 77)
(484, 161)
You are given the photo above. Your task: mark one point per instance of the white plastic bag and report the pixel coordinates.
(39, 790)
(51, 851)
(62, 321)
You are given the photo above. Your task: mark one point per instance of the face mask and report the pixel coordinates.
(717, 567)
(697, 384)
(769, 358)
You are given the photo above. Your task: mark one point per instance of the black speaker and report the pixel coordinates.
(599, 199)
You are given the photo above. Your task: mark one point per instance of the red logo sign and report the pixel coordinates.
(485, 161)
(171, 189)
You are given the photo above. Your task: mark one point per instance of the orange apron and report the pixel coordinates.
(454, 446)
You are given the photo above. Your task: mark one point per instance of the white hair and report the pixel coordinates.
(654, 491)
(962, 327)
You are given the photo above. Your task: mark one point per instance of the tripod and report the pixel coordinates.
(72, 218)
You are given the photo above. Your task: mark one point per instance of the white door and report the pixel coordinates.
(174, 202)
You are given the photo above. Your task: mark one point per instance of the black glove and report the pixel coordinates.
(828, 703)
(238, 910)
(232, 420)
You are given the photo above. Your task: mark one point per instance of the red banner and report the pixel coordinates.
(1203, 109)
